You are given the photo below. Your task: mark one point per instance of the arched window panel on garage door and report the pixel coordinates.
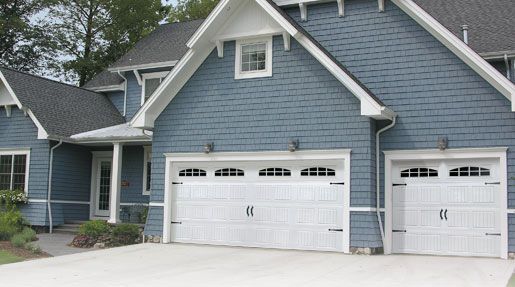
(417, 172)
(318, 171)
(466, 171)
(275, 171)
(192, 172)
(229, 172)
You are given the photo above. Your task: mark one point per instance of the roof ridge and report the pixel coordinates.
(182, 22)
(46, 79)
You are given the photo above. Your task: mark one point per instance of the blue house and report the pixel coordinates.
(354, 126)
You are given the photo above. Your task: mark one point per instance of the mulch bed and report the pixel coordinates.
(20, 252)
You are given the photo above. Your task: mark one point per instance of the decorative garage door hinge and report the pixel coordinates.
(403, 231)
(335, 230)
(176, 182)
(176, 222)
(492, 183)
(399, 184)
(337, 183)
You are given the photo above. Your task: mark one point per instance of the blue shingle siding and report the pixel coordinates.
(71, 178)
(74, 211)
(511, 232)
(133, 96)
(364, 230)
(434, 93)
(132, 171)
(35, 213)
(154, 225)
(302, 100)
(117, 98)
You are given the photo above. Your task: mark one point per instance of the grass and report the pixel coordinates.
(6, 258)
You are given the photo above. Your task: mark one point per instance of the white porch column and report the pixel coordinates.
(116, 177)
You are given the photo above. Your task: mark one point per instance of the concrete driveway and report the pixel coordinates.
(190, 265)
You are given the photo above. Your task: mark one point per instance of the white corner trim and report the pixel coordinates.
(238, 74)
(459, 48)
(156, 204)
(463, 153)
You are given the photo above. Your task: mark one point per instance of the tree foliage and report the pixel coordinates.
(92, 34)
(24, 45)
(186, 10)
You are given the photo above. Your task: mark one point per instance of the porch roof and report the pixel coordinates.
(118, 133)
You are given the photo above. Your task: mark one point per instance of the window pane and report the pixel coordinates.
(5, 163)
(253, 57)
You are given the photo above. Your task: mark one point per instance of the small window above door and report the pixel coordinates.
(466, 171)
(419, 172)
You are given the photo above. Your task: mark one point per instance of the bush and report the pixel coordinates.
(83, 241)
(11, 222)
(33, 248)
(125, 234)
(143, 215)
(10, 198)
(18, 240)
(94, 229)
(29, 234)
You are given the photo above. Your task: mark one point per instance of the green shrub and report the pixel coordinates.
(11, 222)
(94, 228)
(125, 234)
(9, 198)
(18, 240)
(33, 248)
(29, 234)
(143, 215)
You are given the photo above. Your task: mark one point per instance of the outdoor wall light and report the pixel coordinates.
(442, 143)
(208, 147)
(293, 145)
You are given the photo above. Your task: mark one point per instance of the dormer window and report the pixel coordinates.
(151, 82)
(253, 58)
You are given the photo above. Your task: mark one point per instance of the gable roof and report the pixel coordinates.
(491, 22)
(201, 46)
(166, 44)
(104, 79)
(61, 110)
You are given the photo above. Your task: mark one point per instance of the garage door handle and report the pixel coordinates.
(252, 211)
(248, 207)
(441, 211)
(399, 231)
(492, 234)
(445, 214)
(335, 230)
(176, 222)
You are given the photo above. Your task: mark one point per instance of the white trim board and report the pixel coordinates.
(202, 43)
(143, 66)
(499, 153)
(181, 158)
(460, 49)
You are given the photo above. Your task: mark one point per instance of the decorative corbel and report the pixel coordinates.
(381, 5)
(8, 110)
(286, 40)
(220, 48)
(341, 8)
(138, 77)
(303, 11)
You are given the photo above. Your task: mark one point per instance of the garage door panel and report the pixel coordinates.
(451, 213)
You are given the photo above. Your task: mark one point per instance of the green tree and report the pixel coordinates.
(23, 43)
(92, 34)
(186, 10)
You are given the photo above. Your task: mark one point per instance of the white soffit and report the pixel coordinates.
(458, 47)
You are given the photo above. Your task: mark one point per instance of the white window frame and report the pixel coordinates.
(147, 76)
(147, 156)
(13, 152)
(238, 74)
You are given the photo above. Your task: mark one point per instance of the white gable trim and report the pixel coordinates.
(201, 44)
(458, 47)
(42, 134)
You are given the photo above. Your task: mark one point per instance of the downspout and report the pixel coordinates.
(378, 177)
(49, 193)
(124, 93)
(507, 62)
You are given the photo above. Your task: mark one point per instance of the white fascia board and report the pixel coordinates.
(459, 48)
(112, 88)
(42, 134)
(297, 2)
(143, 66)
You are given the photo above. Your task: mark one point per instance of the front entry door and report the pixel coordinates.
(103, 187)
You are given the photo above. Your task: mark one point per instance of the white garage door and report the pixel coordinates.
(287, 204)
(447, 208)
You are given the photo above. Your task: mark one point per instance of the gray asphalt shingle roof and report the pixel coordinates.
(165, 44)
(63, 110)
(491, 22)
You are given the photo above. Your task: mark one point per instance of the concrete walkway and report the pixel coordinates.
(56, 244)
(191, 265)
